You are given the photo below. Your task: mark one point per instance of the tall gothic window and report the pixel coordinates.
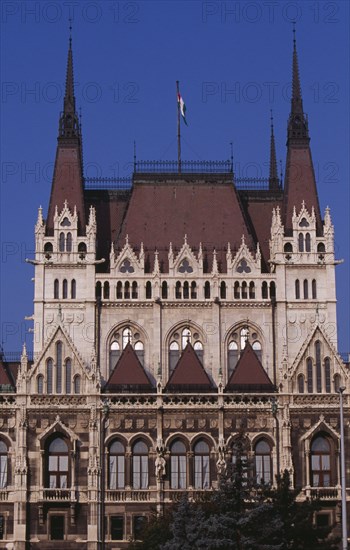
(116, 466)
(307, 242)
(264, 290)
(56, 289)
(310, 382)
(178, 465)
(73, 289)
(58, 464)
(114, 354)
(59, 367)
(174, 355)
(69, 242)
(320, 462)
(49, 369)
(318, 366)
(306, 289)
(232, 356)
(164, 290)
(65, 289)
(236, 291)
(251, 290)
(68, 368)
(40, 383)
(119, 290)
(301, 242)
(186, 290)
(106, 290)
(327, 374)
(263, 462)
(206, 290)
(140, 465)
(61, 242)
(134, 292)
(301, 383)
(148, 290)
(297, 289)
(337, 382)
(314, 289)
(244, 291)
(201, 465)
(3, 464)
(77, 384)
(193, 290)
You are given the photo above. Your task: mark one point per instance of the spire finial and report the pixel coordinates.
(69, 121)
(70, 33)
(297, 124)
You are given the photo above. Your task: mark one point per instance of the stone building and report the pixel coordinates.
(168, 315)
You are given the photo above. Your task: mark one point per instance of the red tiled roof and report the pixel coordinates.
(249, 372)
(300, 185)
(5, 376)
(128, 372)
(259, 211)
(189, 371)
(67, 184)
(161, 211)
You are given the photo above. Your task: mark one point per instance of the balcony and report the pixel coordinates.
(130, 495)
(323, 493)
(58, 495)
(4, 495)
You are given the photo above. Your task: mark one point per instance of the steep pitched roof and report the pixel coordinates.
(163, 208)
(67, 183)
(6, 378)
(249, 374)
(189, 373)
(128, 374)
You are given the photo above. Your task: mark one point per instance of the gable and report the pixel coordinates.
(189, 373)
(249, 374)
(128, 374)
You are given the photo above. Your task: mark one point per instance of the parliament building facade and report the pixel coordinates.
(169, 316)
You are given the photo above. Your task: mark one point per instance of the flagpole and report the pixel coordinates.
(178, 128)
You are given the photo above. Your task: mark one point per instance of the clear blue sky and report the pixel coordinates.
(233, 60)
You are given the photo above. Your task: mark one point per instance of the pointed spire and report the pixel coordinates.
(297, 124)
(297, 102)
(273, 177)
(69, 120)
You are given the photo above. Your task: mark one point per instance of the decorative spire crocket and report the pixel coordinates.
(297, 124)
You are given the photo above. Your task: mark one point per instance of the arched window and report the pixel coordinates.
(114, 354)
(127, 290)
(119, 290)
(69, 242)
(263, 462)
(207, 290)
(127, 337)
(116, 470)
(82, 250)
(320, 462)
(236, 291)
(56, 289)
(297, 289)
(337, 382)
(186, 337)
(193, 290)
(318, 366)
(164, 290)
(134, 291)
(314, 289)
(61, 243)
(178, 465)
(307, 242)
(201, 465)
(257, 348)
(223, 290)
(58, 464)
(48, 249)
(310, 383)
(148, 290)
(140, 465)
(251, 290)
(306, 289)
(65, 289)
(244, 334)
(98, 290)
(272, 290)
(301, 242)
(288, 247)
(327, 374)
(186, 290)
(198, 348)
(68, 366)
(139, 349)
(174, 355)
(3, 464)
(77, 384)
(264, 290)
(106, 290)
(73, 289)
(40, 384)
(178, 290)
(244, 291)
(49, 367)
(232, 356)
(59, 367)
(321, 247)
(301, 383)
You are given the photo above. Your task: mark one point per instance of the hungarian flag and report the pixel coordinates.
(182, 107)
